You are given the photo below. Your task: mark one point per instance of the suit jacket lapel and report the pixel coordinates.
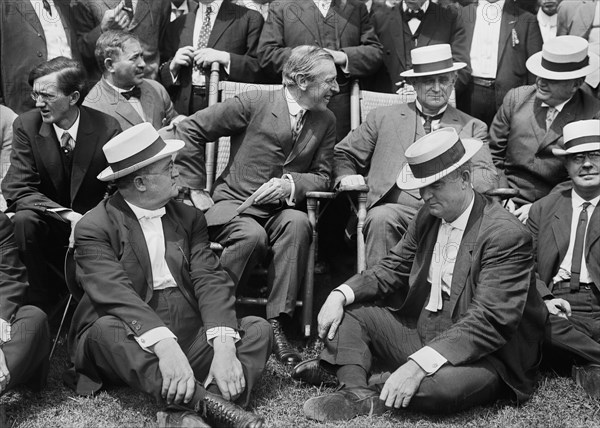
(561, 226)
(506, 26)
(149, 104)
(304, 11)
(344, 11)
(568, 114)
(450, 119)
(224, 19)
(135, 238)
(86, 145)
(306, 136)
(49, 148)
(538, 122)
(281, 123)
(464, 258)
(141, 10)
(397, 29)
(469, 22)
(26, 10)
(593, 234)
(187, 32)
(427, 22)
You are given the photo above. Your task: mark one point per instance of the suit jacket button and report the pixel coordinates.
(137, 327)
(134, 322)
(40, 54)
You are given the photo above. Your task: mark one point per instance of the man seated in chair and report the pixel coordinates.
(452, 309)
(376, 149)
(123, 92)
(529, 124)
(24, 335)
(566, 228)
(281, 148)
(51, 182)
(157, 312)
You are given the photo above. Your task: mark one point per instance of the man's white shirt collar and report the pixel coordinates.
(462, 220)
(73, 130)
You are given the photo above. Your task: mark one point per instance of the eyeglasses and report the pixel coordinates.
(45, 97)
(579, 158)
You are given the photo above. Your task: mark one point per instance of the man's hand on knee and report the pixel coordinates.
(331, 315)
(402, 385)
(4, 373)
(177, 374)
(226, 369)
(559, 307)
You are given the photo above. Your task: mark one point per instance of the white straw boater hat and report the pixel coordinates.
(580, 136)
(135, 148)
(434, 156)
(434, 59)
(562, 58)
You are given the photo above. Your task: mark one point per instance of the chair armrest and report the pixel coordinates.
(503, 193)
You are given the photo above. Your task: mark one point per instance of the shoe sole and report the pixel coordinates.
(337, 408)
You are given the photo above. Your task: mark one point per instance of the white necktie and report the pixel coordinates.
(444, 254)
(550, 116)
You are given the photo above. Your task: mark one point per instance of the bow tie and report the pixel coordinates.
(410, 14)
(135, 92)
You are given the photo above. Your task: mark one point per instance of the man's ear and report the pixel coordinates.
(302, 82)
(108, 64)
(139, 183)
(74, 97)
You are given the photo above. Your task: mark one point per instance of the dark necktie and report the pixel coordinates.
(429, 119)
(410, 14)
(298, 126)
(578, 248)
(205, 31)
(47, 7)
(135, 92)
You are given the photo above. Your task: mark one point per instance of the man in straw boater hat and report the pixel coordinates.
(568, 257)
(530, 122)
(462, 323)
(158, 310)
(376, 149)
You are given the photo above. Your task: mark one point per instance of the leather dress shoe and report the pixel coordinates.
(180, 419)
(588, 377)
(219, 412)
(344, 404)
(311, 372)
(282, 349)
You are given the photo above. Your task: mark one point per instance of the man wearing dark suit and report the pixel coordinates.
(230, 38)
(24, 335)
(145, 18)
(32, 32)
(281, 148)
(500, 37)
(566, 230)
(157, 312)
(461, 322)
(435, 25)
(530, 121)
(123, 92)
(340, 26)
(51, 181)
(376, 148)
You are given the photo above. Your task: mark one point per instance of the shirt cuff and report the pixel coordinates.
(345, 68)
(152, 337)
(347, 292)
(4, 331)
(174, 77)
(428, 359)
(222, 332)
(291, 200)
(227, 66)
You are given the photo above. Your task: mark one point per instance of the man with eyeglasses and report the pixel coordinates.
(51, 182)
(530, 121)
(376, 148)
(566, 228)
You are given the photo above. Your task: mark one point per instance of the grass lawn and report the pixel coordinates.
(557, 403)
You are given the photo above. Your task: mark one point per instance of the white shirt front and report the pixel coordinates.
(323, 6)
(486, 38)
(73, 130)
(547, 24)
(177, 11)
(564, 272)
(57, 43)
(435, 124)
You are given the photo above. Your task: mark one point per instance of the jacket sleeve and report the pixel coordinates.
(13, 276)
(366, 57)
(245, 67)
(533, 225)
(272, 50)
(21, 186)
(499, 133)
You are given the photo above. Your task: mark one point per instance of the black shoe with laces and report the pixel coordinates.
(282, 349)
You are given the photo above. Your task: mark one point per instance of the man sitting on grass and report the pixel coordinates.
(461, 322)
(158, 309)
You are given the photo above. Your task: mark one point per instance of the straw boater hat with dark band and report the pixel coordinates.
(434, 156)
(135, 148)
(563, 58)
(430, 60)
(579, 137)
